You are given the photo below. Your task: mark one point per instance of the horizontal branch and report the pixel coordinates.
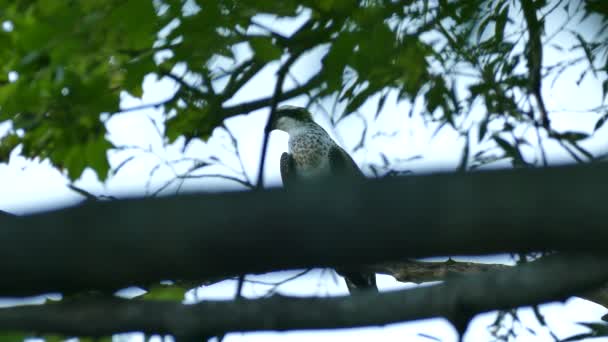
(114, 244)
(552, 278)
(414, 271)
(247, 107)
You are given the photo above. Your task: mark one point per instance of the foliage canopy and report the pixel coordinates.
(65, 65)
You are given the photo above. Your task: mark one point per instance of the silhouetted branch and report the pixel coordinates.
(551, 278)
(247, 107)
(534, 57)
(415, 271)
(276, 98)
(196, 237)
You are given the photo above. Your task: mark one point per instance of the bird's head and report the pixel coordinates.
(287, 117)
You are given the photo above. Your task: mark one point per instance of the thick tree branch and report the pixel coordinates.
(552, 278)
(414, 271)
(113, 244)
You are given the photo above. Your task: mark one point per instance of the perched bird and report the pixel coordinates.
(314, 156)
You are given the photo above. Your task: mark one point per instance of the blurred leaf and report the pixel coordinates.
(95, 339)
(587, 48)
(571, 135)
(600, 122)
(511, 151)
(464, 159)
(96, 156)
(165, 292)
(337, 58)
(381, 102)
(7, 144)
(264, 50)
(135, 72)
(191, 122)
(483, 128)
(6, 336)
(501, 22)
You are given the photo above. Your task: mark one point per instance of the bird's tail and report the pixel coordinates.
(359, 282)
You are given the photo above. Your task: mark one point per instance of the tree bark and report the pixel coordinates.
(458, 299)
(114, 244)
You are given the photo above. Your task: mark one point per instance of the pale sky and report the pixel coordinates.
(29, 186)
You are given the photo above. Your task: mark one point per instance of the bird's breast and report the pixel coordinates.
(310, 153)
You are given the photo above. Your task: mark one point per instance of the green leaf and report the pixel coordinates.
(7, 144)
(165, 292)
(483, 128)
(135, 72)
(192, 121)
(511, 151)
(54, 338)
(571, 135)
(95, 339)
(337, 59)
(6, 336)
(264, 50)
(96, 156)
(359, 99)
(74, 162)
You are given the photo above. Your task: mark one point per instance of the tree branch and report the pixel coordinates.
(414, 271)
(551, 278)
(114, 244)
(276, 96)
(247, 107)
(534, 56)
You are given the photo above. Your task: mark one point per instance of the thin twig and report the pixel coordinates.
(261, 103)
(154, 105)
(82, 192)
(179, 80)
(274, 100)
(542, 149)
(235, 143)
(88, 195)
(276, 285)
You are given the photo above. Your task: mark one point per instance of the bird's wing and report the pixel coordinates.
(341, 163)
(288, 173)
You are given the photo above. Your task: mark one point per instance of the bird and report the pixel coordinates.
(315, 157)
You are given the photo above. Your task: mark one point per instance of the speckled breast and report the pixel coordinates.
(310, 151)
